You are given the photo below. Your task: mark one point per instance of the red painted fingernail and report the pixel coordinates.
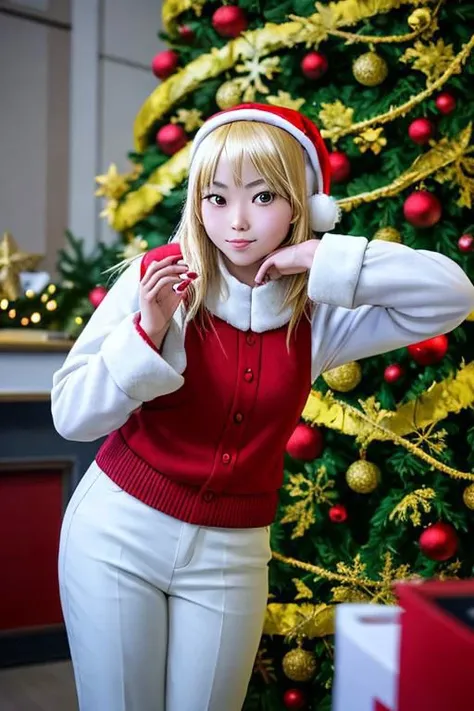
(183, 286)
(192, 275)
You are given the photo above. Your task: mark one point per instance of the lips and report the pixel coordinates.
(240, 245)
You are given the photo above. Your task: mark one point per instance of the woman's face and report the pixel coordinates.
(245, 223)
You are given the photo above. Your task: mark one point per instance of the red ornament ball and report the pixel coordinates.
(439, 541)
(314, 65)
(340, 166)
(294, 699)
(466, 243)
(430, 351)
(186, 34)
(445, 103)
(422, 209)
(97, 295)
(229, 21)
(338, 513)
(165, 63)
(421, 131)
(306, 443)
(393, 373)
(171, 138)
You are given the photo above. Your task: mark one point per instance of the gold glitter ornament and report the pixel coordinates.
(344, 378)
(470, 317)
(363, 477)
(468, 496)
(388, 234)
(228, 94)
(299, 665)
(370, 69)
(419, 18)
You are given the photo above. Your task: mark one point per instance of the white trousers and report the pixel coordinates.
(161, 615)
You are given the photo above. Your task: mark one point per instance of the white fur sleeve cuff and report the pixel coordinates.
(138, 370)
(336, 268)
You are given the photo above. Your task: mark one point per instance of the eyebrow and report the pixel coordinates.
(253, 184)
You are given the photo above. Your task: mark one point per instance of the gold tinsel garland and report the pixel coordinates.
(293, 619)
(139, 203)
(172, 9)
(440, 400)
(319, 28)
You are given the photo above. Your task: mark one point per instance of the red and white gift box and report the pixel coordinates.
(416, 657)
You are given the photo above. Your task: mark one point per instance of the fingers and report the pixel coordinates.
(179, 284)
(152, 294)
(267, 272)
(167, 266)
(262, 272)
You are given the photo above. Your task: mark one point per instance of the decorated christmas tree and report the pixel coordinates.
(379, 482)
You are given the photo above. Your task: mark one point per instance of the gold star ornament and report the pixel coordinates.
(112, 184)
(12, 262)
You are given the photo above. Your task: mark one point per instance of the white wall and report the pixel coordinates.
(23, 134)
(34, 123)
(74, 74)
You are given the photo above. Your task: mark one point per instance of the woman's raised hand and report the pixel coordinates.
(162, 289)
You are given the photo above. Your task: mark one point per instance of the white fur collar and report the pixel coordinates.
(246, 308)
(249, 308)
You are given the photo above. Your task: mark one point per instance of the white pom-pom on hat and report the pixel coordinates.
(324, 211)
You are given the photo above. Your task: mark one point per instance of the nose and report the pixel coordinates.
(239, 221)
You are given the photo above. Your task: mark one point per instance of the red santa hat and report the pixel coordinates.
(324, 211)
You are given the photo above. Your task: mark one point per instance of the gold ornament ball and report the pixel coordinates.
(388, 234)
(299, 665)
(228, 95)
(468, 496)
(344, 378)
(363, 477)
(421, 17)
(470, 317)
(370, 69)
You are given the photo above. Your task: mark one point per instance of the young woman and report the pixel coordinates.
(196, 366)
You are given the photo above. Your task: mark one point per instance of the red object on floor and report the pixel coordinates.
(379, 706)
(31, 509)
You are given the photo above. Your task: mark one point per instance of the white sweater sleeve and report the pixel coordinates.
(111, 370)
(373, 297)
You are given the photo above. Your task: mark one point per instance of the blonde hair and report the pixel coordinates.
(279, 158)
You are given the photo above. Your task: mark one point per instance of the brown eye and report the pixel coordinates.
(216, 200)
